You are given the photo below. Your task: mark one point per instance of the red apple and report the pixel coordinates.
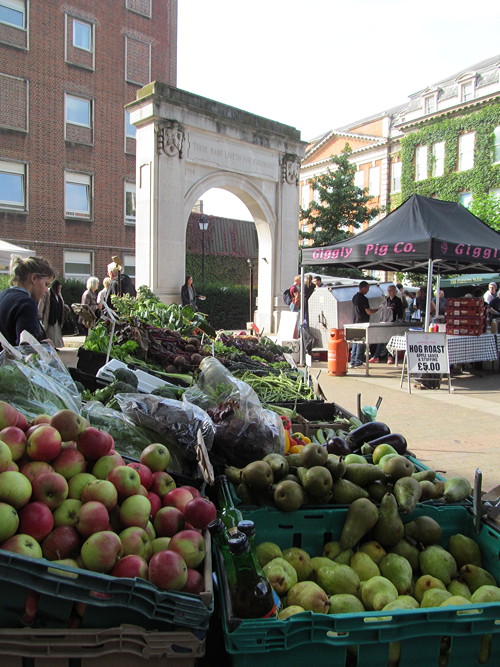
(131, 566)
(162, 483)
(101, 551)
(32, 429)
(168, 521)
(50, 488)
(9, 521)
(93, 518)
(195, 582)
(144, 473)
(69, 424)
(30, 607)
(199, 512)
(160, 544)
(67, 512)
(105, 464)
(44, 444)
(34, 468)
(188, 526)
(5, 456)
(143, 491)
(190, 545)
(22, 422)
(40, 419)
(155, 456)
(134, 511)
(15, 489)
(168, 571)
(69, 463)
(8, 415)
(135, 540)
(194, 492)
(101, 490)
(62, 542)
(15, 438)
(126, 481)
(94, 443)
(13, 466)
(25, 545)
(77, 483)
(150, 530)
(155, 501)
(178, 497)
(36, 519)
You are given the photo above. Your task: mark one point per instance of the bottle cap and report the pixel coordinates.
(238, 543)
(247, 527)
(220, 479)
(216, 526)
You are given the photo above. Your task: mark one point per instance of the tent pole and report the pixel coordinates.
(438, 288)
(428, 300)
(302, 352)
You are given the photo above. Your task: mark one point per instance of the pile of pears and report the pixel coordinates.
(379, 564)
(315, 477)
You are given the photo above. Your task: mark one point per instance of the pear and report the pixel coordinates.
(233, 474)
(266, 551)
(456, 489)
(485, 649)
(455, 601)
(245, 495)
(335, 466)
(428, 490)
(313, 455)
(293, 460)
(424, 475)
(344, 557)
(382, 450)
(345, 492)
(389, 528)
(439, 563)
(309, 596)
(317, 481)
(386, 458)
(402, 602)
(257, 475)
(407, 491)
(362, 515)
(343, 603)
(340, 579)
(377, 592)
(364, 567)
(377, 490)
(424, 529)
(464, 550)
(316, 563)
(332, 550)
(279, 465)
(363, 474)
(411, 553)
(354, 458)
(439, 488)
(300, 560)
(485, 594)
(424, 583)
(288, 496)
(457, 587)
(475, 577)
(397, 466)
(374, 549)
(281, 575)
(398, 570)
(285, 613)
(434, 597)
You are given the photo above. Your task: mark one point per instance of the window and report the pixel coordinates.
(12, 185)
(396, 177)
(466, 151)
(495, 192)
(421, 163)
(77, 265)
(430, 105)
(467, 91)
(130, 130)
(130, 203)
(438, 159)
(129, 265)
(140, 6)
(13, 12)
(496, 149)
(82, 35)
(466, 199)
(77, 195)
(359, 179)
(374, 186)
(78, 111)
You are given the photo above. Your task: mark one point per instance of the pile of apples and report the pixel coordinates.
(66, 495)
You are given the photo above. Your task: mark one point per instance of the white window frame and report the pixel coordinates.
(78, 257)
(438, 152)
(464, 94)
(90, 26)
(396, 169)
(374, 181)
(129, 188)
(81, 99)
(421, 163)
(128, 265)
(430, 104)
(359, 179)
(496, 145)
(129, 124)
(465, 151)
(77, 178)
(15, 169)
(16, 6)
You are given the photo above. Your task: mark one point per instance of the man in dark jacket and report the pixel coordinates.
(361, 313)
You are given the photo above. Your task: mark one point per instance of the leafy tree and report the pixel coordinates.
(487, 209)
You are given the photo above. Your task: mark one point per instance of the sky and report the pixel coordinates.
(319, 64)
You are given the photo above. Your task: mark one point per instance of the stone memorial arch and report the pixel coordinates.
(187, 144)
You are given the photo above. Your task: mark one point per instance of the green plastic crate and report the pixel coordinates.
(329, 640)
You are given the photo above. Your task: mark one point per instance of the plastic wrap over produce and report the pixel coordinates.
(244, 430)
(35, 381)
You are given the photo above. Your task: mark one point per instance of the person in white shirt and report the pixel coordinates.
(491, 293)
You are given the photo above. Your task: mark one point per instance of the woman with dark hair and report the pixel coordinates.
(51, 309)
(30, 280)
(189, 295)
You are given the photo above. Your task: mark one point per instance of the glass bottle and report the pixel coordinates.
(219, 535)
(229, 514)
(252, 594)
(247, 527)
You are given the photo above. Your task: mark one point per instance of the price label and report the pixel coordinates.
(427, 353)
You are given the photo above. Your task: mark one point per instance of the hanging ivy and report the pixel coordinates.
(479, 180)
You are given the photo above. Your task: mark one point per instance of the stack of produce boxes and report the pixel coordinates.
(465, 317)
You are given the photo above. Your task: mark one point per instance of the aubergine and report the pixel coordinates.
(396, 440)
(366, 433)
(337, 446)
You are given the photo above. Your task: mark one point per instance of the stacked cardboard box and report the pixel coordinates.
(465, 316)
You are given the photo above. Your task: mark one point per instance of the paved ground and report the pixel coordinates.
(455, 433)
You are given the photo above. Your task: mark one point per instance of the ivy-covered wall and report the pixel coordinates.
(478, 180)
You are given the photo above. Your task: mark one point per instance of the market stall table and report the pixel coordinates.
(370, 333)
(461, 349)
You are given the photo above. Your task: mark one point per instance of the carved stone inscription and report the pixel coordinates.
(240, 159)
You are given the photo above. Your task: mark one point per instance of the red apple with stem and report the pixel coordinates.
(135, 540)
(93, 518)
(168, 571)
(69, 463)
(69, 423)
(50, 488)
(144, 473)
(44, 444)
(94, 443)
(15, 438)
(199, 512)
(62, 542)
(155, 456)
(25, 545)
(77, 483)
(67, 512)
(168, 521)
(126, 481)
(36, 519)
(131, 566)
(40, 419)
(162, 483)
(178, 497)
(134, 511)
(104, 465)
(101, 551)
(194, 491)
(101, 490)
(190, 545)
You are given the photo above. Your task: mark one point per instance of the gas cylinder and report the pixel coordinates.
(337, 353)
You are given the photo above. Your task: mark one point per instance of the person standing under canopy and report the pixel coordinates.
(361, 314)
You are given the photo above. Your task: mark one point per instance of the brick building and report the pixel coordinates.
(67, 150)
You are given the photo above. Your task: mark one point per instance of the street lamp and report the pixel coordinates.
(203, 225)
(250, 266)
